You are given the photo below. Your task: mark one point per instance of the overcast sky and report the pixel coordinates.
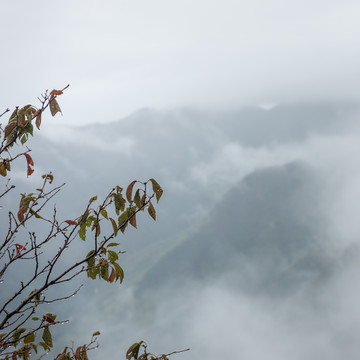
(123, 55)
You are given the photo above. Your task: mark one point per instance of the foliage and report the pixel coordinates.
(25, 328)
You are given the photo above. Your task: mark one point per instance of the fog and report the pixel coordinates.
(255, 253)
(247, 115)
(120, 56)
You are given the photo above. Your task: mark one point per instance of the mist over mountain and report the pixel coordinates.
(257, 237)
(266, 230)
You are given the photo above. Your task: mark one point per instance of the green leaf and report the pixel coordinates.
(51, 316)
(45, 346)
(35, 318)
(92, 273)
(30, 128)
(96, 333)
(151, 211)
(46, 336)
(119, 203)
(137, 199)
(112, 256)
(157, 189)
(113, 243)
(123, 218)
(114, 225)
(29, 338)
(119, 272)
(18, 333)
(23, 139)
(104, 271)
(91, 261)
(104, 214)
(82, 232)
(94, 198)
(133, 351)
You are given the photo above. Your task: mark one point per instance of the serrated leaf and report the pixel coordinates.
(157, 189)
(129, 190)
(151, 211)
(46, 336)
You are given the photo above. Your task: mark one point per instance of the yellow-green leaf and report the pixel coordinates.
(114, 225)
(157, 189)
(29, 338)
(104, 214)
(151, 211)
(46, 336)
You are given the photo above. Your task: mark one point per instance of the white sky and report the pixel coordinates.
(122, 55)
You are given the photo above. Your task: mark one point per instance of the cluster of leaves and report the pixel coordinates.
(24, 328)
(133, 353)
(20, 125)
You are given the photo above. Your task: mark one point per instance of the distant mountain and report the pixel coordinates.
(265, 233)
(243, 209)
(197, 157)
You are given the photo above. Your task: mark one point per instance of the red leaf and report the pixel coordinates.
(56, 92)
(38, 119)
(71, 222)
(29, 159)
(19, 248)
(48, 319)
(30, 163)
(129, 190)
(20, 213)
